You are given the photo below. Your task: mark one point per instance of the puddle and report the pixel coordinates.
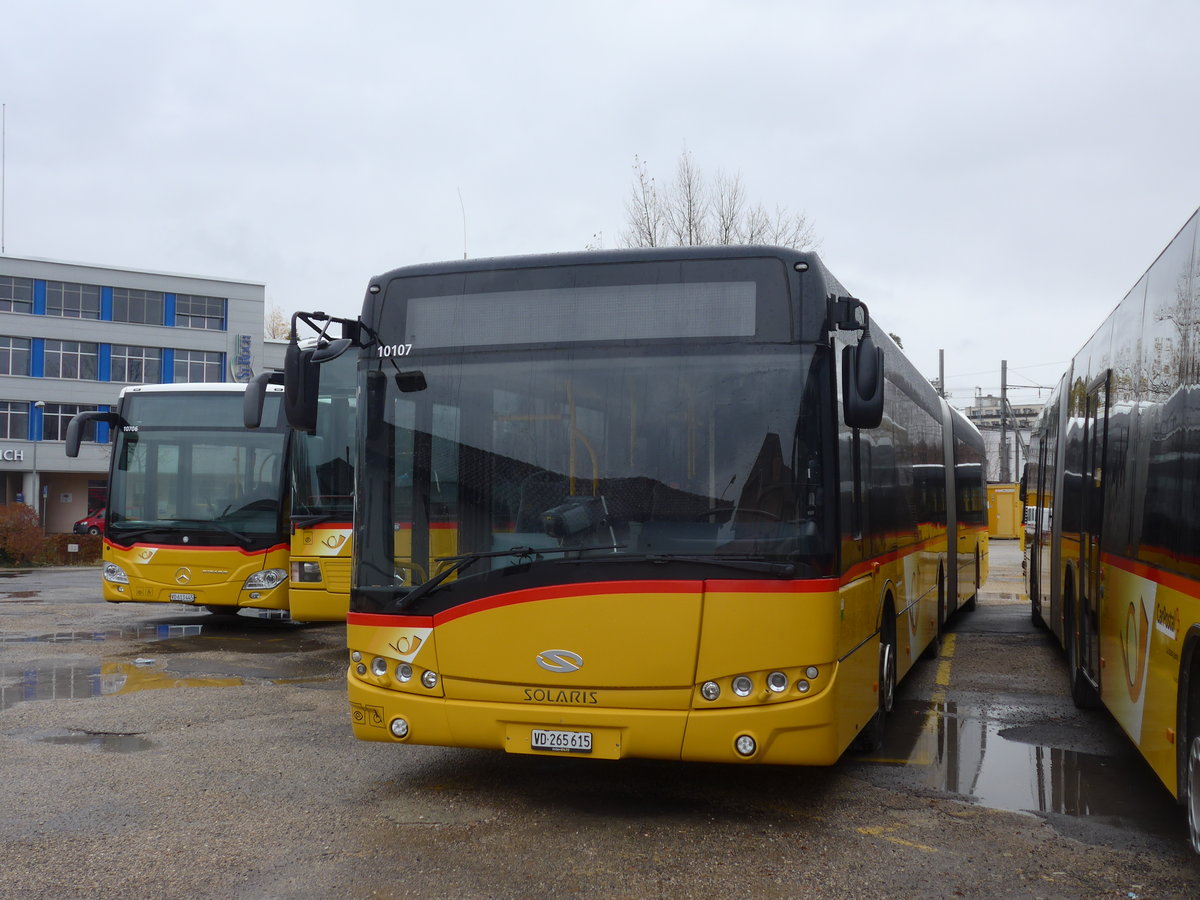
(213, 640)
(108, 743)
(130, 633)
(963, 750)
(81, 679)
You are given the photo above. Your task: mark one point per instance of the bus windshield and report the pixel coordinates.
(185, 466)
(604, 454)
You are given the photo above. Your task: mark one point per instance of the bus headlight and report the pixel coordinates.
(429, 679)
(710, 690)
(265, 580)
(115, 574)
(404, 673)
(306, 571)
(742, 686)
(777, 682)
(379, 667)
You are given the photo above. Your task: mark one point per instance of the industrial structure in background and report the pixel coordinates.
(72, 335)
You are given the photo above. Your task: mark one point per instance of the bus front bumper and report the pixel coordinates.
(801, 732)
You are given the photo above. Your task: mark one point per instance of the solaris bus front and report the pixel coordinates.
(597, 509)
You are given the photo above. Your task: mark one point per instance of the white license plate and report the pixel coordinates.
(182, 598)
(562, 741)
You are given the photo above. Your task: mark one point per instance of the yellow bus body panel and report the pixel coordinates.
(328, 599)
(1145, 616)
(200, 576)
(646, 649)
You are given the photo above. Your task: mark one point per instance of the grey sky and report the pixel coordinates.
(990, 177)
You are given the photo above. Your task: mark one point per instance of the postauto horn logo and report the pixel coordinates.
(560, 661)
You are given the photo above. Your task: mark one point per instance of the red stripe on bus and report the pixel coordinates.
(554, 592)
(1170, 580)
(190, 548)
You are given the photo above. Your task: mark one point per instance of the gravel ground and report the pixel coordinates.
(136, 761)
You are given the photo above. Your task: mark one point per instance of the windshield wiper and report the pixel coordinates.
(308, 521)
(779, 570)
(466, 560)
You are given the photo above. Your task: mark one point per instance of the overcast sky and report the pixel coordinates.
(990, 177)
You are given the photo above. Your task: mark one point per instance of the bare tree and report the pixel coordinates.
(277, 325)
(644, 211)
(693, 210)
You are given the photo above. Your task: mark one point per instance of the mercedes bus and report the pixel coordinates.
(197, 504)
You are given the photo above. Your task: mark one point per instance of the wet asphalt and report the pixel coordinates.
(165, 752)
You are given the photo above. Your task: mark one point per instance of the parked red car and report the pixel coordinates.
(92, 524)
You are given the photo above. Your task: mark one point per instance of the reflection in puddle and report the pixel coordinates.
(90, 678)
(132, 632)
(109, 743)
(964, 750)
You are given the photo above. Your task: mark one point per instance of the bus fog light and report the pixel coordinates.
(745, 745)
(429, 679)
(710, 690)
(811, 672)
(306, 571)
(777, 682)
(115, 574)
(803, 686)
(379, 667)
(403, 673)
(361, 669)
(742, 686)
(399, 728)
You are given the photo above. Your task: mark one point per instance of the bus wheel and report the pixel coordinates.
(870, 738)
(1083, 692)
(1193, 789)
(973, 600)
(934, 649)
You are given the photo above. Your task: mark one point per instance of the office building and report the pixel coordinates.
(72, 335)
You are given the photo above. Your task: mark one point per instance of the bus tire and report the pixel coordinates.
(870, 738)
(1193, 792)
(973, 600)
(934, 648)
(1083, 693)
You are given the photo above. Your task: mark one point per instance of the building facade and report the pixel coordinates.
(1005, 438)
(72, 335)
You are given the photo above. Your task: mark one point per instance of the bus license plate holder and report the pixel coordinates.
(561, 741)
(182, 598)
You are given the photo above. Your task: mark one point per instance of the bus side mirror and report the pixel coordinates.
(79, 421)
(302, 382)
(862, 383)
(256, 395)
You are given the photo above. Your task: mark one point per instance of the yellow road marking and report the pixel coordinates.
(882, 831)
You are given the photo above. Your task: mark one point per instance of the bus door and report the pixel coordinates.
(1091, 593)
(1039, 545)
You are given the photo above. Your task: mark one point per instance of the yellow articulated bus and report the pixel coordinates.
(197, 504)
(679, 504)
(1112, 493)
